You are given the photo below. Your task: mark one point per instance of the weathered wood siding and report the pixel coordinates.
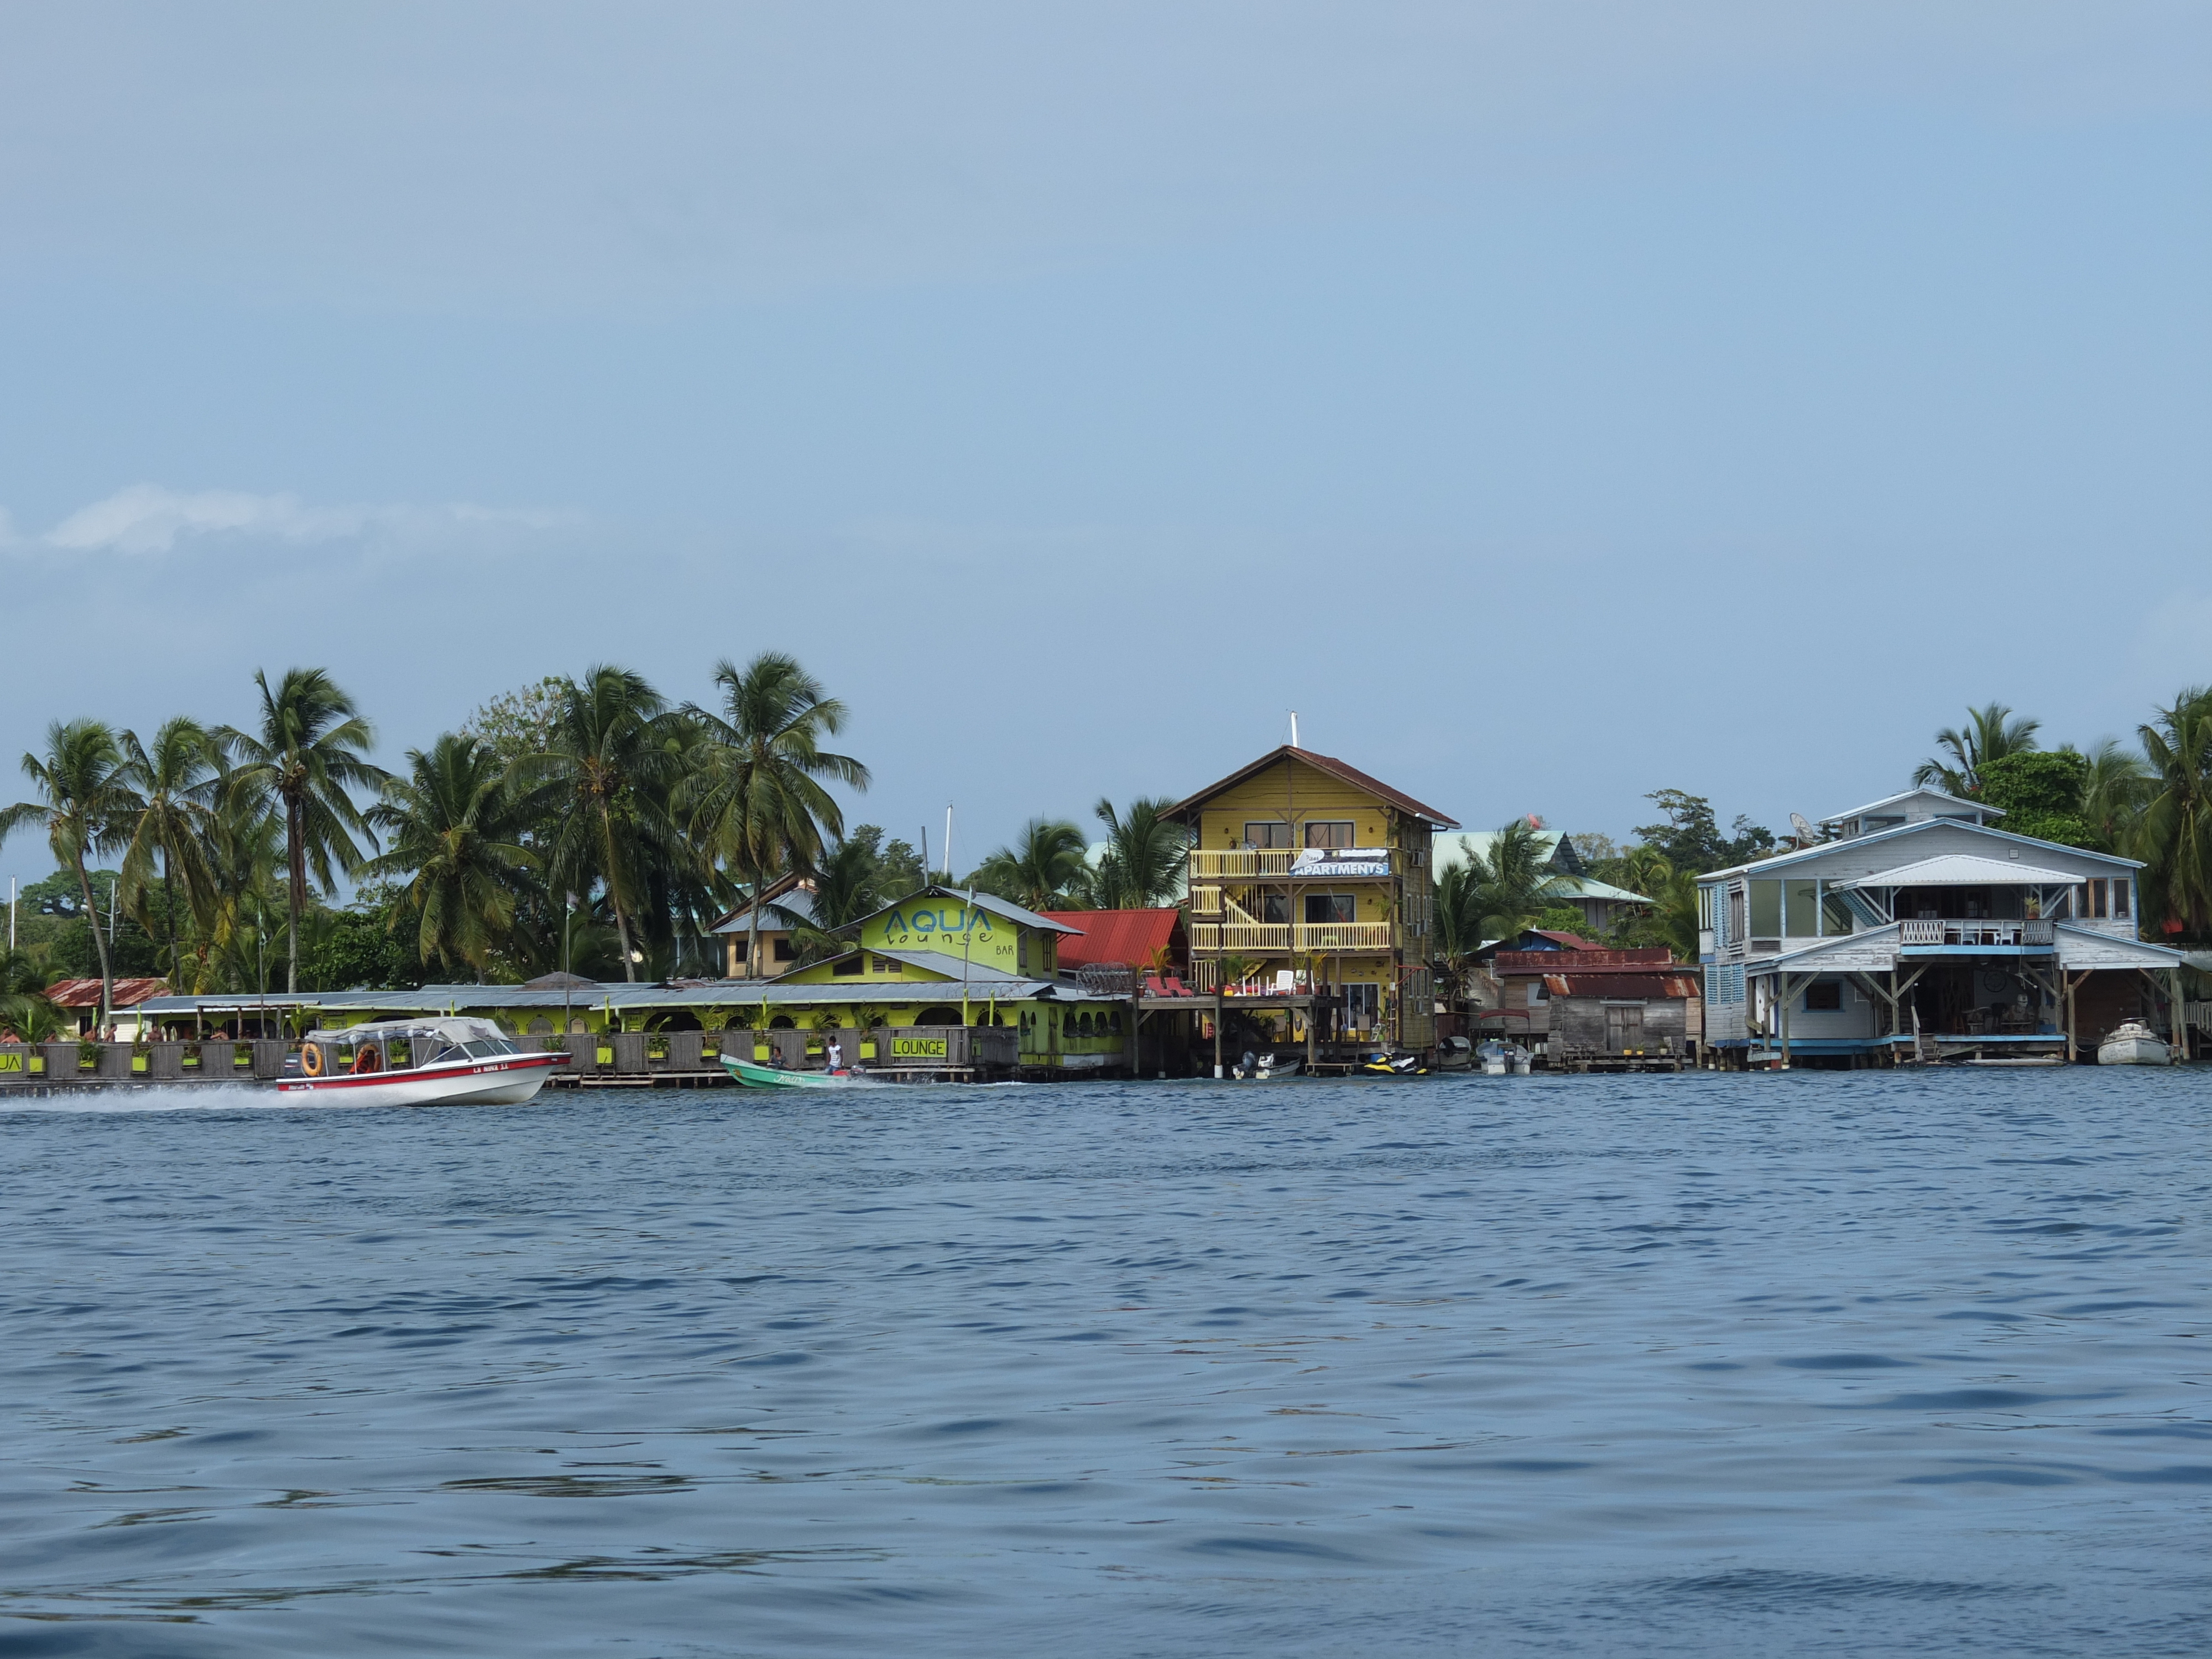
(1580, 1026)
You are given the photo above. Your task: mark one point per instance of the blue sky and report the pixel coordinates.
(1551, 403)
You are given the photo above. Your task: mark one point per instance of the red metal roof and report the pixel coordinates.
(1639, 958)
(1134, 937)
(1624, 985)
(1329, 764)
(85, 993)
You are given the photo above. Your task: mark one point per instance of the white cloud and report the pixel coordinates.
(147, 518)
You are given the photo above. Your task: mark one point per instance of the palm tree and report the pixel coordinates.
(2173, 836)
(847, 886)
(1992, 733)
(86, 808)
(305, 762)
(1143, 864)
(756, 800)
(454, 831)
(2113, 790)
(1499, 893)
(612, 764)
(1039, 870)
(175, 780)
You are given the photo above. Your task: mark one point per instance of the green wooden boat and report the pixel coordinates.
(756, 1076)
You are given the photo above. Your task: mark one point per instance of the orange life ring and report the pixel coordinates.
(369, 1058)
(310, 1058)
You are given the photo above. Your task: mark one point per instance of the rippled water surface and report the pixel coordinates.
(1813, 1364)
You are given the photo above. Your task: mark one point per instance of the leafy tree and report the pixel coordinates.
(756, 800)
(175, 780)
(2173, 836)
(1992, 733)
(1043, 871)
(455, 835)
(516, 725)
(305, 761)
(2040, 792)
(1143, 864)
(359, 947)
(85, 806)
(1690, 839)
(1564, 919)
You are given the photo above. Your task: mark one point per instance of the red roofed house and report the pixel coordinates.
(82, 998)
(1130, 938)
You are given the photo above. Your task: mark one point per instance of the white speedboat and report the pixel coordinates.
(2134, 1043)
(416, 1062)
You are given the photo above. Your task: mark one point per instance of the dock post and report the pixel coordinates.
(1216, 1031)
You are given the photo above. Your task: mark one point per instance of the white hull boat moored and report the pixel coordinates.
(2134, 1044)
(435, 1062)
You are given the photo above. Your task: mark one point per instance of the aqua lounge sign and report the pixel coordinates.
(956, 929)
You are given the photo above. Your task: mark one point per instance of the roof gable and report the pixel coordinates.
(1856, 843)
(1326, 764)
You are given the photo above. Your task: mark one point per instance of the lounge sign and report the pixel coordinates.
(948, 925)
(918, 1048)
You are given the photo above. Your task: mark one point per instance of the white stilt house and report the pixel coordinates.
(1922, 930)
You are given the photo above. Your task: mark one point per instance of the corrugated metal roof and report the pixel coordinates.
(85, 993)
(1329, 764)
(798, 901)
(1626, 987)
(1134, 937)
(1914, 794)
(731, 994)
(1966, 870)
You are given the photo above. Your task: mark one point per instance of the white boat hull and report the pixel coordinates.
(2133, 1048)
(507, 1080)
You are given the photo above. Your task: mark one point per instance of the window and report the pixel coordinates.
(1329, 834)
(1537, 992)
(1705, 907)
(783, 950)
(738, 948)
(885, 964)
(1765, 909)
(1322, 909)
(2120, 885)
(1804, 912)
(1835, 915)
(1268, 833)
(1824, 996)
(2093, 899)
(850, 966)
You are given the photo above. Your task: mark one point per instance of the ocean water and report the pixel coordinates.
(1813, 1364)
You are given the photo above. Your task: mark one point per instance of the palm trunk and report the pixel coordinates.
(295, 894)
(752, 945)
(98, 944)
(614, 895)
(169, 911)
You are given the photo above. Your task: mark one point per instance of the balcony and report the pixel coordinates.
(1278, 938)
(1952, 930)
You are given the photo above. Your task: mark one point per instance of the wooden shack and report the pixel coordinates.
(1634, 1010)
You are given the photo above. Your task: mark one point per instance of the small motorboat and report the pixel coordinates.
(1499, 1059)
(2134, 1043)
(754, 1075)
(1272, 1066)
(414, 1062)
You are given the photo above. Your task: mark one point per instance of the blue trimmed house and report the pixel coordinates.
(1917, 928)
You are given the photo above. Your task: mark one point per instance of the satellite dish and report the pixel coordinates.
(1805, 834)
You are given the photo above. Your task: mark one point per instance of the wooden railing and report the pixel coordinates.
(1951, 930)
(1279, 937)
(1206, 901)
(1242, 861)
